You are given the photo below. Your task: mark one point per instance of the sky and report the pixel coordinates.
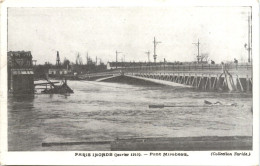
(101, 31)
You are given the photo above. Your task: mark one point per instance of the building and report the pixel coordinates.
(114, 65)
(20, 72)
(58, 71)
(120, 65)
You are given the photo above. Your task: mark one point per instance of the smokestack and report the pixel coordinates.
(58, 59)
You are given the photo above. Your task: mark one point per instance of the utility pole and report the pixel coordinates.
(248, 45)
(154, 49)
(198, 45)
(116, 57)
(148, 56)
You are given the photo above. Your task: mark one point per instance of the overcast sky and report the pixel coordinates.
(222, 31)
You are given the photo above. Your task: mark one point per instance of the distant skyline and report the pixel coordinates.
(101, 31)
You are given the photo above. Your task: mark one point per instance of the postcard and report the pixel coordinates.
(129, 82)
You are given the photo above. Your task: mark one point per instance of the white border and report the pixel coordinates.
(68, 158)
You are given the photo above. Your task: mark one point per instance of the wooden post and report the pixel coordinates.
(188, 79)
(196, 81)
(210, 85)
(218, 82)
(215, 80)
(241, 86)
(192, 83)
(235, 82)
(207, 80)
(199, 82)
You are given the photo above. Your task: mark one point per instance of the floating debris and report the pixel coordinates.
(55, 89)
(58, 89)
(206, 104)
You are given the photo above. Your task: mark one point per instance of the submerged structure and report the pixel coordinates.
(21, 76)
(20, 72)
(51, 88)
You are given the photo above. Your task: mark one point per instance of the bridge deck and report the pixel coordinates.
(203, 76)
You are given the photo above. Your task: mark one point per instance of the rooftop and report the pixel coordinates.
(20, 53)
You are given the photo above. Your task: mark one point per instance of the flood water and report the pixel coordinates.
(104, 111)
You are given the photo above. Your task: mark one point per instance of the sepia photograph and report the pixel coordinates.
(137, 78)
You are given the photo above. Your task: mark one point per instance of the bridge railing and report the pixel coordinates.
(142, 67)
(187, 67)
(101, 74)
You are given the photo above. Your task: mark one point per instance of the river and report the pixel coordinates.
(104, 111)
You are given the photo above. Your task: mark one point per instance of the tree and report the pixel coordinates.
(79, 60)
(66, 62)
(204, 57)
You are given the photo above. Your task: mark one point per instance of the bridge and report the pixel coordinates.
(206, 77)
